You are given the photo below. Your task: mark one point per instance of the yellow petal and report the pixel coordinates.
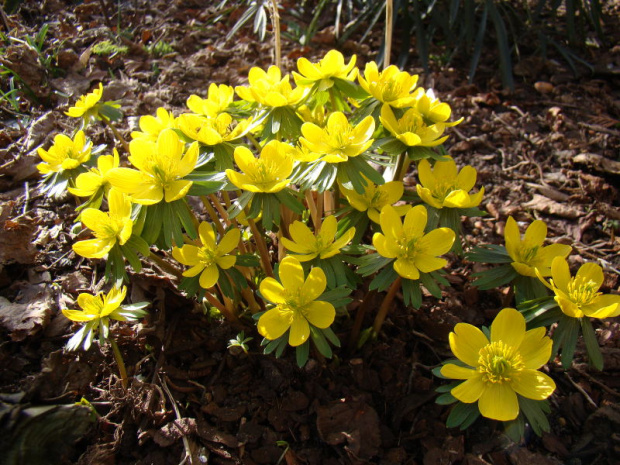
(533, 384)
(535, 348)
(470, 390)
(466, 179)
(77, 315)
(194, 270)
(466, 342)
(605, 306)
(512, 236)
(508, 327)
(535, 234)
(226, 262)
(427, 263)
(390, 222)
(386, 248)
(320, 314)
(230, 241)
(272, 290)
(93, 248)
(300, 330)
(406, 268)
(176, 190)
(560, 272)
(452, 371)
(414, 224)
(314, 285)
(274, 323)
(498, 402)
(207, 235)
(187, 255)
(437, 242)
(302, 235)
(291, 274)
(209, 276)
(592, 273)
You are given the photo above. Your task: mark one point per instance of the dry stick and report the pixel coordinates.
(313, 208)
(5, 20)
(389, 14)
(186, 445)
(117, 134)
(218, 206)
(385, 305)
(581, 390)
(275, 19)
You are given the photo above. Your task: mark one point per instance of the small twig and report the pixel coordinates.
(581, 390)
(600, 384)
(386, 305)
(117, 134)
(26, 198)
(188, 450)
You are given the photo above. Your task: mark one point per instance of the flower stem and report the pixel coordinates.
(275, 19)
(386, 305)
(164, 265)
(314, 213)
(212, 214)
(389, 15)
(359, 319)
(119, 361)
(117, 134)
(402, 166)
(262, 247)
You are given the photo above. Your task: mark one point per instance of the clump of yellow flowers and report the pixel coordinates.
(285, 197)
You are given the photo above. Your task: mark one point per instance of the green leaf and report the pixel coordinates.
(595, 357)
(331, 336)
(287, 198)
(534, 411)
(489, 253)
(565, 339)
(139, 244)
(320, 342)
(301, 353)
(495, 277)
(462, 415)
(247, 260)
(412, 294)
(430, 285)
(153, 222)
(383, 279)
(369, 263)
(239, 204)
(446, 399)
(515, 429)
(528, 288)
(185, 215)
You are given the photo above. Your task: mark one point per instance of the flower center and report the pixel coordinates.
(407, 246)
(442, 189)
(379, 199)
(528, 254)
(582, 291)
(499, 362)
(206, 257)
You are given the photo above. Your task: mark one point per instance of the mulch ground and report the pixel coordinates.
(548, 150)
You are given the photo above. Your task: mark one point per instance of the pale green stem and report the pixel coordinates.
(275, 20)
(119, 361)
(117, 134)
(389, 14)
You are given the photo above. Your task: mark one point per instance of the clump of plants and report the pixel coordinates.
(300, 178)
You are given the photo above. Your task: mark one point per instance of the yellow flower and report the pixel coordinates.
(151, 126)
(330, 67)
(87, 105)
(161, 166)
(432, 110)
(269, 173)
(87, 184)
(415, 252)
(270, 89)
(96, 307)
(338, 140)
(109, 229)
(442, 186)
(296, 305)
(65, 154)
(390, 86)
(97, 311)
(529, 254)
(218, 100)
(411, 129)
(212, 130)
(579, 296)
(323, 245)
(376, 197)
(210, 257)
(499, 369)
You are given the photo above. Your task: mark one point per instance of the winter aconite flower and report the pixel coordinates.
(218, 100)
(376, 197)
(152, 126)
(210, 257)
(442, 186)
(323, 245)
(162, 167)
(432, 110)
(97, 311)
(212, 130)
(579, 296)
(296, 307)
(528, 253)
(109, 229)
(338, 140)
(268, 174)
(96, 179)
(390, 86)
(87, 105)
(414, 251)
(330, 67)
(66, 154)
(411, 129)
(270, 89)
(499, 369)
